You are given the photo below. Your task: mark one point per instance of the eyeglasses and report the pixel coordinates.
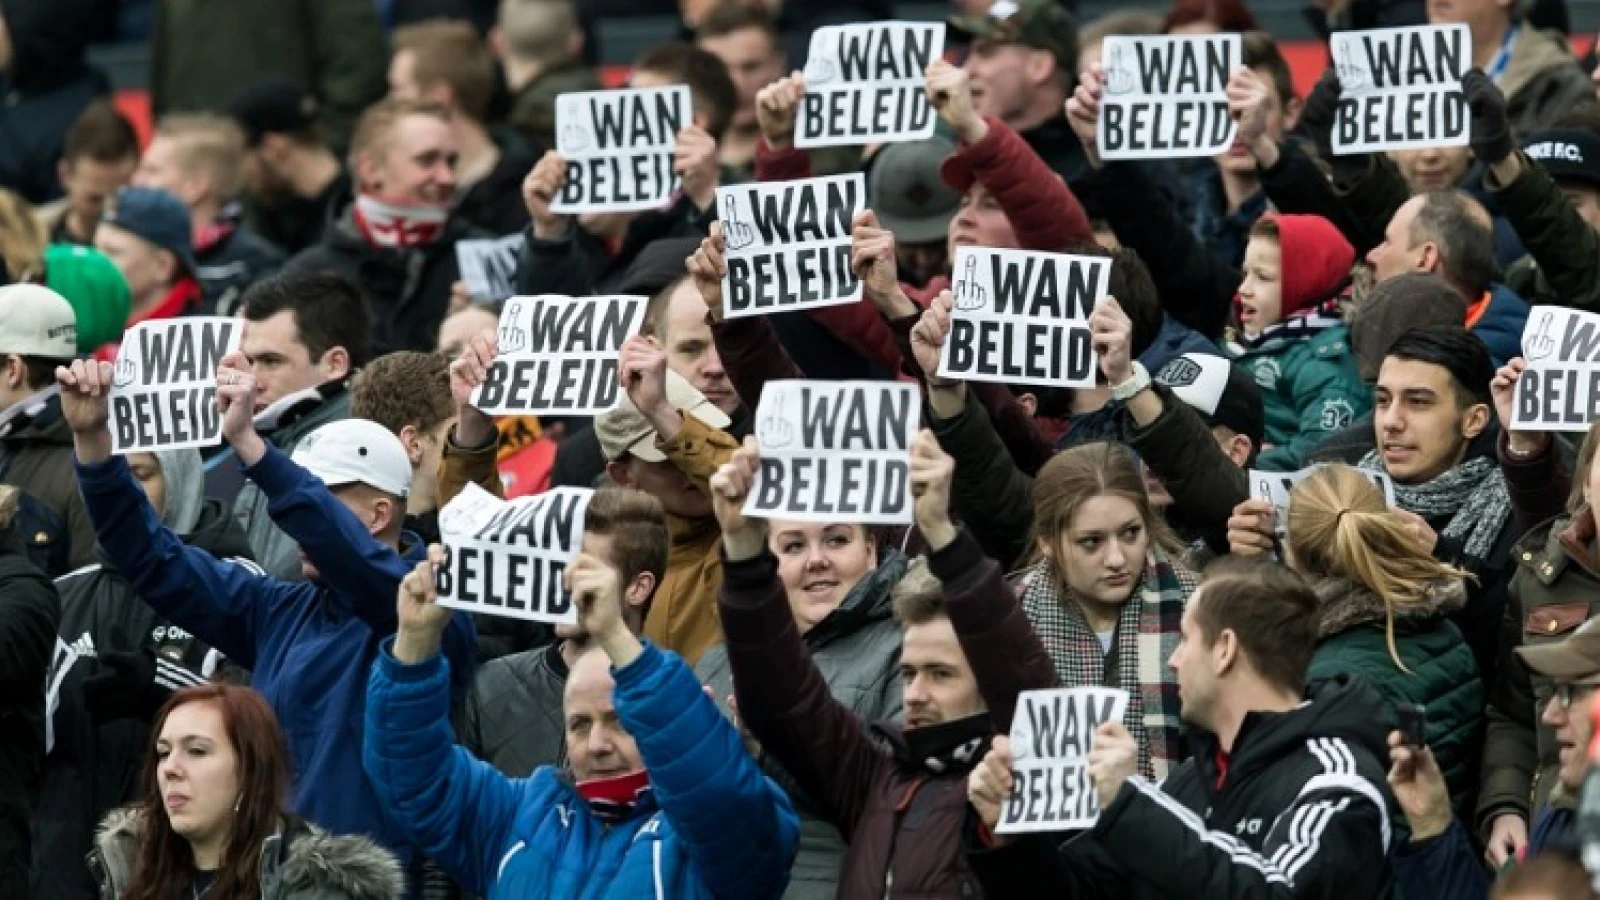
(1566, 693)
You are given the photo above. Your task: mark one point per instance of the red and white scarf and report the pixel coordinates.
(385, 223)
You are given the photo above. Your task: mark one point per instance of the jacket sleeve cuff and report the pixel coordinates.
(399, 672)
(641, 669)
(490, 444)
(275, 473)
(102, 476)
(746, 582)
(962, 557)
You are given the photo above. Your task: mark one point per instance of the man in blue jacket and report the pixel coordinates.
(659, 799)
(1440, 860)
(307, 644)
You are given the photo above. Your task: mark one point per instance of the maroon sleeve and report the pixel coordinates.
(788, 164)
(1539, 485)
(752, 355)
(1043, 210)
(860, 327)
(784, 701)
(1005, 654)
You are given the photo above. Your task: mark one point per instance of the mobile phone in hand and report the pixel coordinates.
(1413, 720)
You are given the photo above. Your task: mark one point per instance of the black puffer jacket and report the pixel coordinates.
(512, 716)
(1302, 811)
(102, 731)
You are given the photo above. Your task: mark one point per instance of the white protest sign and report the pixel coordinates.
(865, 84)
(618, 146)
(558, 355)
(489, 266)
(164, 385)
(1051, 734)
(789, 244)
(1166, 97)
(1400, 88)
(1560, 388)
(1022, 317)
(835, 451)
(507, 558)
(1275, 488)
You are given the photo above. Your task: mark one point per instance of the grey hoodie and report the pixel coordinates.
(186, 483)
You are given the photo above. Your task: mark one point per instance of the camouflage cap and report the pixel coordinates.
(1042, 24)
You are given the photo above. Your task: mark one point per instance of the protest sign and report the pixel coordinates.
(618, 146)
(789, 244)
(1023, 318)
(1560, 388)
(1275, 487)
(1051, 734)
(164, 384)
(1400, 88)
(558, 355)
(508, 557)
(489, 266)
(1167, 97)
(835, 451)
(865, 84)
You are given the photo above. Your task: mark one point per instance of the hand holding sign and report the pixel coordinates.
(969, 293)
(1540, 345)
(85, 389)
(872, 258)
(236, 398)
(739, 234)
(950, 92)
(742, 537)
(777, 105)
(1250, 528)
(467, 374)
(539, 191)
(596, 588)
(1120, 75)
(643, 371)
(989, 786)
(1491, 127)
(422, 620)
(707, 266)
(1112, 339)
(1250, 104)
(694, 160)
(1083, 113)
(929, 335)
(1503, 389)
(932, 471)
(1113, 757)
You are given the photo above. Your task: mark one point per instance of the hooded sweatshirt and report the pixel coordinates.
(1310, 386)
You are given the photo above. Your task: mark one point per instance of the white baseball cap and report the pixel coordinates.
(356, 451)
(36, 321)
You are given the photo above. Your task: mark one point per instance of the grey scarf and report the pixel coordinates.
(1473, 495)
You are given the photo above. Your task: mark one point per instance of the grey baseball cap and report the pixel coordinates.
(908, 195)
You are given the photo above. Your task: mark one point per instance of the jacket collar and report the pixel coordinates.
(1343, 604)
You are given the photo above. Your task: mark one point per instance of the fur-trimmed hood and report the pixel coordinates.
(1343, 604)
(314, 866)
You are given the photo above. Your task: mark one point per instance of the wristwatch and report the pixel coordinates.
(1137, 382)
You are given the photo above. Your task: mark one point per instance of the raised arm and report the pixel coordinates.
(1537, 474)
(471, 449)
(748, 346)
(777, 158)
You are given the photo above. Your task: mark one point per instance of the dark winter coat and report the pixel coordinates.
(29, 612)
(36, 456)
(300, 862)
(856, 649)
(1300, 809)
(48, 86)
(512, 717)
(903, 824)
(1563, 262)
(494, 204)
(1442, 677)
(227, 267)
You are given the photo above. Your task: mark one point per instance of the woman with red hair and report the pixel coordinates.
(213, 825)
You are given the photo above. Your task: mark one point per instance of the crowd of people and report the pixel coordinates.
(227, 673)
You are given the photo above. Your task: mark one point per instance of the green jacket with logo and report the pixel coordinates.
(1309, 389)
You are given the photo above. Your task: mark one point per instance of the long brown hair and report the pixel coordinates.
(1077, 475)
(166, 864)
(22, 238)
(1339, 526)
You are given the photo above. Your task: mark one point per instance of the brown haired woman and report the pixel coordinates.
(1106, 594)
(212, 824)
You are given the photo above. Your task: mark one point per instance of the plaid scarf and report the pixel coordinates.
(1147, 634)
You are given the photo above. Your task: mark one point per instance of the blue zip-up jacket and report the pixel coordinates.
(307, 645)
(1500, 326)
(1448, 867)
(712, 825)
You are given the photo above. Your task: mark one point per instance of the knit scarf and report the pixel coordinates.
(387, 224)
(1300, 325)
(614, 799)
(1473, 495)
(1147, 634)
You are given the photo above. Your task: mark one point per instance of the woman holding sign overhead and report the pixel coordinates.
(1383, 607)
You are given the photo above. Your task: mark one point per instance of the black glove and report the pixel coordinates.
(132, 685)
(1491, 130)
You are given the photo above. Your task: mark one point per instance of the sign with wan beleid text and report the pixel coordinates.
(1276, 488)
(835, 451)
(1051, 734)
(559, 355)
(508, 558)
(1165, 97)
(164, 383)
(865, 84)
(1560, 388)
(1023, 318)
(789, 244)
(489, 266)
(1400, 88)
(619, 146)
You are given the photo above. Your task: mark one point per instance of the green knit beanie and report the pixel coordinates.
(95, 288)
